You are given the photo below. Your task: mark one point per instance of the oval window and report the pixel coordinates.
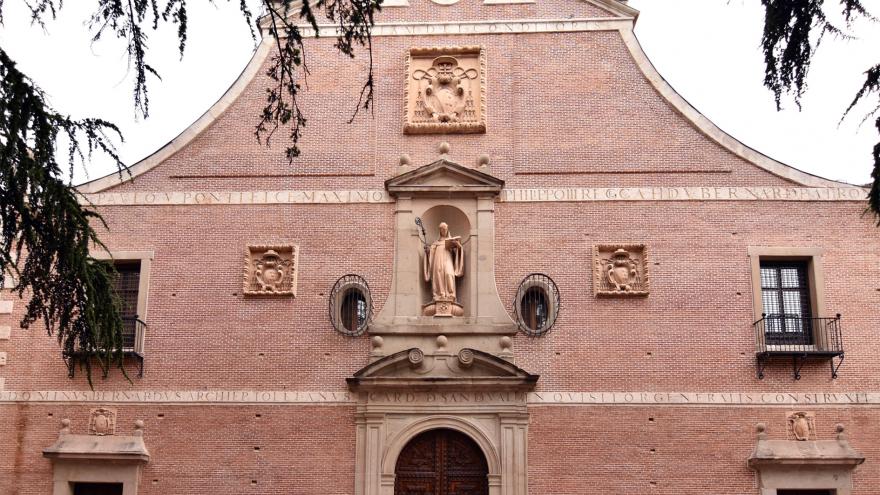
(536, 304)
(350, 305)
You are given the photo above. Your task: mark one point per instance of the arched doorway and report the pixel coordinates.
(441, 462)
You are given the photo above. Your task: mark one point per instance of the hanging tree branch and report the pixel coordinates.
(793, 31)
(45, 233)
(44, 225)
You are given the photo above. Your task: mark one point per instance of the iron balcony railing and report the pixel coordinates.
(799, 337)
(133, 333)
(791, 333)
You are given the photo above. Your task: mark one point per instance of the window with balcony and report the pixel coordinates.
(132, 286)
(789, 307)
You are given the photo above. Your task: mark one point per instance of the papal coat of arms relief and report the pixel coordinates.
(445, 90)
(621, 270)
(271, 270)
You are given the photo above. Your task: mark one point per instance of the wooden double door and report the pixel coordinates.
(441, 462)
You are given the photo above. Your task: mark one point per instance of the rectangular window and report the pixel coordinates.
(785, 297)
(97, 489)
(127, 288)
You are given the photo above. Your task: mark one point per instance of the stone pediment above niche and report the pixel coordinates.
(468, 368)
(444, 178)
(443, 284)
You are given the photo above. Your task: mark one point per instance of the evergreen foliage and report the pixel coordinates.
(793, 31)
(46, 233)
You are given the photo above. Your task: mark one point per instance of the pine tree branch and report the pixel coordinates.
(46, 235)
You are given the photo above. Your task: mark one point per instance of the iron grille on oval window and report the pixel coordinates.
(536, 304)
(351, 306)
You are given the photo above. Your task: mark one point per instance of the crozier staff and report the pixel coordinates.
(443, 264)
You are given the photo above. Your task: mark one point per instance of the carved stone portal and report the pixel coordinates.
(271, 270)
(102, 422)
(445, 90)
(802, 426)
(621, 270)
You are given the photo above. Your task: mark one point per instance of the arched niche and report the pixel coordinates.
(459, 225)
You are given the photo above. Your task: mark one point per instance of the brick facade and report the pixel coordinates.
(565, 109)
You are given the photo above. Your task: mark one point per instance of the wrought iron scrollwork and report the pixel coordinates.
(351, 305)
(537, 304)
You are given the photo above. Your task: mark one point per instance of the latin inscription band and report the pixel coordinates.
(744, 399)
(482, 27)
(570, 194)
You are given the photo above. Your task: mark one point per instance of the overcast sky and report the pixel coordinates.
(708, 50)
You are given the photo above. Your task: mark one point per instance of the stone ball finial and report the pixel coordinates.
(65, 426)
(761, 429)
(483, 160)
(377, 342)
(139, 428)
(441, 342)
(443, 148)
(505, 342)
(404, 160)
(840, 431)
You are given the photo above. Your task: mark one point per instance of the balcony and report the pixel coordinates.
(133, 333)
(800, 338)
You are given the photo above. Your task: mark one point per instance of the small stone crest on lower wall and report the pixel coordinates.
(621, 270)
(445, 90)
(801, 426)
(102, 421)
(271, 270)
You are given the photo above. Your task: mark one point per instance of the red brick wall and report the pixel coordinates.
(204, 449)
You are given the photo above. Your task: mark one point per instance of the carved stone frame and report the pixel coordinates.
(410, 127)
(598, 270)
(501, 432)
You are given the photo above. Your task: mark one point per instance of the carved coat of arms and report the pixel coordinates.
(801, 426)
(271, 270)
(447, 96)
(102, 422)
(621, 270)
(445, 90)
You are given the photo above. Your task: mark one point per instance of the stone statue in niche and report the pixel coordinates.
(621, 270)
(102, 422)
(443, 263)
(801, 426)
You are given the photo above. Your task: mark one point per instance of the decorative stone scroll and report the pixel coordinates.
(802, 426)
(102, 422)
(621, 270)
(445, 90)
(271, 270)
